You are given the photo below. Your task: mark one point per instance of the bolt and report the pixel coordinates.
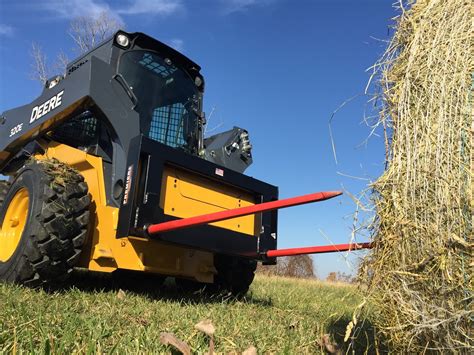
(14, 222)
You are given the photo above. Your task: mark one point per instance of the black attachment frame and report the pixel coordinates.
(140, 206)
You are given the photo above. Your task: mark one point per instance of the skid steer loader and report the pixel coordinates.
(108, 169)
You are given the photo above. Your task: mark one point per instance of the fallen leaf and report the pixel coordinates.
(211, 346)
(206, 327)
(330, 347)
(250, 351)
(293, 325)
(139, 320)
(171, 339)
(121, 294)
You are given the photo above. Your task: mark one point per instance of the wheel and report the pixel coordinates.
(190, 286)
(234, 274)
(44, 218)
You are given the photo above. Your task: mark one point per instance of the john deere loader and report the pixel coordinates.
(108, 170)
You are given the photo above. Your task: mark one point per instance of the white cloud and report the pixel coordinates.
(177, 44)
(74, 8)
(151, 7)
(5, 30)
(231, 6)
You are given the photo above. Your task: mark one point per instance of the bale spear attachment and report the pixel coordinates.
(259, 208)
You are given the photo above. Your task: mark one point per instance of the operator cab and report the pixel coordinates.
(165, 87)
(169, 100)
(166, 91)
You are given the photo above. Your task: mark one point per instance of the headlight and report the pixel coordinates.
(122, 40)
(198, 81)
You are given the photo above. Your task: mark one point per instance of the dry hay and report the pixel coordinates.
(419, 274)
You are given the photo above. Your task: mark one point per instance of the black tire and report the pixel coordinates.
(234, 274)
(56, 227)
(4, 185)
(190, 286)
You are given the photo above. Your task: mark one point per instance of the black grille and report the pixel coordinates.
(167, 125)
(80, 131)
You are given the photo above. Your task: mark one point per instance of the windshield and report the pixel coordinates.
(168, 99)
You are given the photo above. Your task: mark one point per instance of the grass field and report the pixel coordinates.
(278, 315)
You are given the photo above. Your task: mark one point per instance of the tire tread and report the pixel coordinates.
(59, 228)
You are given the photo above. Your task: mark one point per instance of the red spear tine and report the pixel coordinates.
(318, 249)
(239, 212)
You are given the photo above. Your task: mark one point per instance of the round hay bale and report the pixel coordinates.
(419, 275)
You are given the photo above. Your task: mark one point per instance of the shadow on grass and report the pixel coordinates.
(150, 286)
(364, 339)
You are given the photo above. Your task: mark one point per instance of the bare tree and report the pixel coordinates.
(340, 277)
(40, 70)
(300, 266)
(61, 63)
(88, 32)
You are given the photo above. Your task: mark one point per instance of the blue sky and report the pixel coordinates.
(278, 68)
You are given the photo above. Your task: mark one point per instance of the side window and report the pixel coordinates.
(81, 131)
(167, 125)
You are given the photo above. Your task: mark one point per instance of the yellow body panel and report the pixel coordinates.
(184, 194)
(104, 252)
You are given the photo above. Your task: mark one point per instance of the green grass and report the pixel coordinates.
(278, 315)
